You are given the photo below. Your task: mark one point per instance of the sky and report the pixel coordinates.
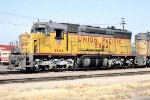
(17, 16)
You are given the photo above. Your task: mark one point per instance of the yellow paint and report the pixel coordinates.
(77, 44)
(142, 47)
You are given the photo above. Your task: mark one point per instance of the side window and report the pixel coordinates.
(59, 34)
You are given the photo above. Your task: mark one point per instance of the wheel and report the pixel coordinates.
(36, 68)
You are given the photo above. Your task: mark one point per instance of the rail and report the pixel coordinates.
(72, 76)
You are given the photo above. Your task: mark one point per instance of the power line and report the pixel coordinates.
(136, 27)
(23, 24)
(107, 24)
(34, 18)
(15, 24)
(20, 16)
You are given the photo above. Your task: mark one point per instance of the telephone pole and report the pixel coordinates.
(122, 23)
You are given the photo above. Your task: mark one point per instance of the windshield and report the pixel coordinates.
(4, 54)
(40, 30)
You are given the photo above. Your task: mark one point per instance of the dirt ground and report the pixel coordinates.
(135, 87)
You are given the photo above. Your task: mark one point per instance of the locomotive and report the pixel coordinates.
(53, 45)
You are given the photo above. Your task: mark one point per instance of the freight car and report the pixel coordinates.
(5, 48)
(5, 56)
(53, 45)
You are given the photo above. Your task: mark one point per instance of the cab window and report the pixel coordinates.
(40, 30)
(59, 34)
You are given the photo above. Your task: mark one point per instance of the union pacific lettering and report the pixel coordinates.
(88, 39)
(112, 40)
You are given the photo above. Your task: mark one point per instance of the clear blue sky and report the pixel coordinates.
(17, 16)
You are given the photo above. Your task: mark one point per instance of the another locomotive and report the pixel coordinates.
(69, 46)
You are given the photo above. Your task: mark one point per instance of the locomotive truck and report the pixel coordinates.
(53, 45)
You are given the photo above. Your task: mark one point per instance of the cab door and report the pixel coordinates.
(36, 46)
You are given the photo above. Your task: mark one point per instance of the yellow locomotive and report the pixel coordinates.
(63, 45)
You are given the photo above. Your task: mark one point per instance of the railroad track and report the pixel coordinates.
(60, 70)
(9, 72)
(71, 77)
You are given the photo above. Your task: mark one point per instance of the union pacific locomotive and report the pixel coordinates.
(53, 45)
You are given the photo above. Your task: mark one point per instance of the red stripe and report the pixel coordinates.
(4, 58)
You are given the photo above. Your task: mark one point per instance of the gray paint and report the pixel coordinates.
(142, 36)
(83, 29)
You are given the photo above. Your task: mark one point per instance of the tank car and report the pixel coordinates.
(53, 45)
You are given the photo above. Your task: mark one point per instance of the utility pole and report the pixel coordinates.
(122, 23)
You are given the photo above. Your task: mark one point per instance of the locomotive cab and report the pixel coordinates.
(40, 28)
